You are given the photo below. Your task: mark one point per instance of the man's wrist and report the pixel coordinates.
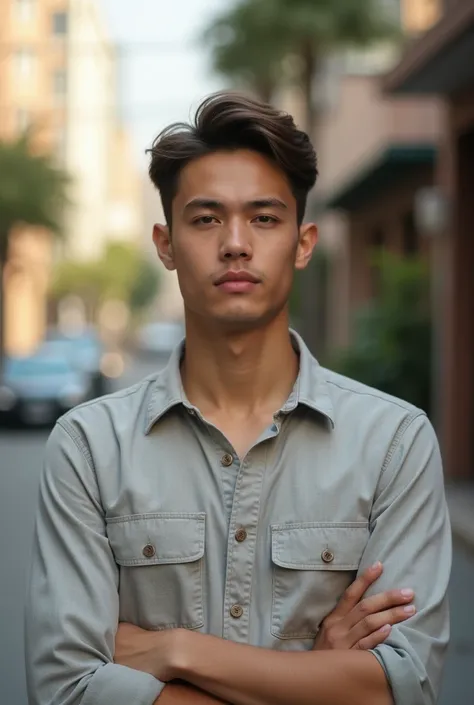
(183, 646)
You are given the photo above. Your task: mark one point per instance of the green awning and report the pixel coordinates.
(389, 167)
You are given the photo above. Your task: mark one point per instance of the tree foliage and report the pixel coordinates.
(33, 190)
(123, 273)
(391, 347)
(252, 41)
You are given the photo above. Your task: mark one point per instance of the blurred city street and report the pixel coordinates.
(21, 454)
(384, 89)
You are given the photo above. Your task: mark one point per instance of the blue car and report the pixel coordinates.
(36, 390)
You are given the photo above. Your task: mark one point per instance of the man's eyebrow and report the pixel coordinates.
(213, 204)
(209, 203)
(267, 203)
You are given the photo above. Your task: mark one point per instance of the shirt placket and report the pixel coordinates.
(242, 540)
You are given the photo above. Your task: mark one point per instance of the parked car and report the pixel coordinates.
(159, 338)
(85, 352)
(36, 390)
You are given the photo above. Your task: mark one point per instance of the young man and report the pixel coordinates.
(198, 535)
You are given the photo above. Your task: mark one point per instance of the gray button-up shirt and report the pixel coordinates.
(147, 515)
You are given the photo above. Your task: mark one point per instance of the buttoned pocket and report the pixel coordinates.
(161, 562)
(313, 563)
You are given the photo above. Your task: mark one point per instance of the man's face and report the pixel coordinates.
(235, 242)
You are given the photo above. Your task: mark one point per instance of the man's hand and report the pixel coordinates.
(151, 652)
(357, 623)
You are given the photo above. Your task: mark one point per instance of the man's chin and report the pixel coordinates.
(244, 320)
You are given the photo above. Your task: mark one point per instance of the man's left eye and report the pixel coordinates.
(265, 219)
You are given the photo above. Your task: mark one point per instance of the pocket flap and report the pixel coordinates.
(319, 546)
(157, 539)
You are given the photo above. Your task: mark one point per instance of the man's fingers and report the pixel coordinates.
(373, 640)
(376, 604)
(354, 593)
(374, 622)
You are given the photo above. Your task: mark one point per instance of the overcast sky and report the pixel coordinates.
(163, 70)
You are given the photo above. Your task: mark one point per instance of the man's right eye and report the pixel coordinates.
(204, 220)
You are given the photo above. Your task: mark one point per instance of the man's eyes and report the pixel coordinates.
(209, 219)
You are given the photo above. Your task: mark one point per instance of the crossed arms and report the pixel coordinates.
(250, 676)
(73, 607)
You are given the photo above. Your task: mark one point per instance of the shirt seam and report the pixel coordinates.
(396, 439)
(79, 443)
(400, 404)
(117, 395)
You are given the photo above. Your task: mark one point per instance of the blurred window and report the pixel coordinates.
(59, 24)
(24, 9)
(59, 83)
(23, 119)
(24, 63)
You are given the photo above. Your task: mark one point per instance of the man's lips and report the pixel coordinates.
(237, 282)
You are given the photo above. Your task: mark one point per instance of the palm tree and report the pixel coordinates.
(245, 48)
(32, 192)
(251, 42)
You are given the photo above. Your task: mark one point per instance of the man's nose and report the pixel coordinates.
(236, 242)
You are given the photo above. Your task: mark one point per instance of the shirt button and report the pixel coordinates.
(236, 611)
(149, 550)
(240, 535)
(327, 556)
(227, 460)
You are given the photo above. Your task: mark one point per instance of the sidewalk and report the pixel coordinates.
(460, 499)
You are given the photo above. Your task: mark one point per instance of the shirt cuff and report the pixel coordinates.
(121, 685)
(400, 672)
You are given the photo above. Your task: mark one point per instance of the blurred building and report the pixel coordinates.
(58, 76)
(375, 152)
(33, 57)
(441, 63)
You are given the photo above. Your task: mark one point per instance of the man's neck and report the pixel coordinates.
(240, 373)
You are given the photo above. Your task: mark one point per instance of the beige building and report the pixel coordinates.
(33, 58)
(58, 74)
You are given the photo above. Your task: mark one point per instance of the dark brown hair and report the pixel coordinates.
(230, 121)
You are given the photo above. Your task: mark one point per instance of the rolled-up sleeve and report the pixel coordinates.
(72, 607)
(410, 534)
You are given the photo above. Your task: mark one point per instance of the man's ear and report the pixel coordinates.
(308, 237)
(164, 248)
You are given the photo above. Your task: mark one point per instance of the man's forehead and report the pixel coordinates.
(241, 177)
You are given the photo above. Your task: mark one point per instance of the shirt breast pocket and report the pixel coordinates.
(313, 563)
(161, 563)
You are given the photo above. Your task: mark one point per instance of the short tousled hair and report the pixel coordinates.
(230, 121)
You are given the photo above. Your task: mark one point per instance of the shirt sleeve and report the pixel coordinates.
(411, 535)
(72, 606)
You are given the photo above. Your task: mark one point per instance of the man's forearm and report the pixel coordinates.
(247, 675)
(184, 694)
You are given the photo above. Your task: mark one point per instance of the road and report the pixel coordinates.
(20, 462)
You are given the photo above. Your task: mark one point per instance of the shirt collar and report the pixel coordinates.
(310, 389)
